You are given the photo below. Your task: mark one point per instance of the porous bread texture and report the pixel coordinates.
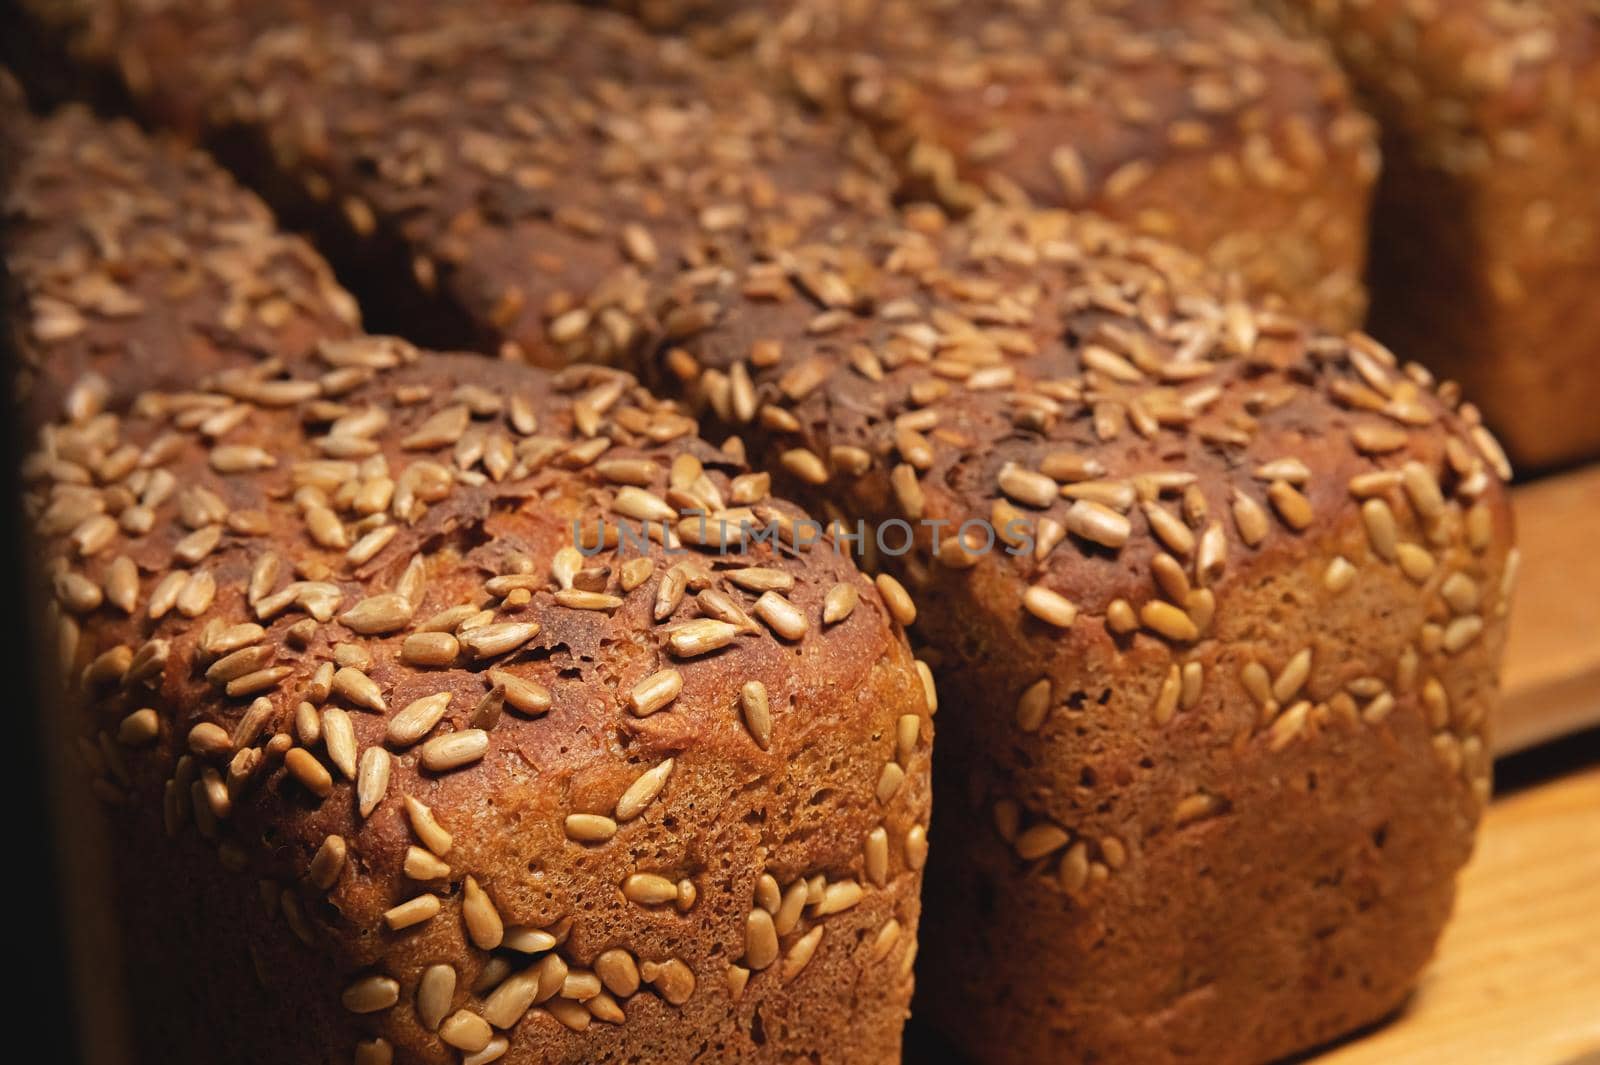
(1487, 246)
(329, 545)
(136, 263)
(1215, 732)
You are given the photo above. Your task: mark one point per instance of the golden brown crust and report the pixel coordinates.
(137, 263)
(1270, 601)
(208, 647)
(1488, 242)
(255, 581)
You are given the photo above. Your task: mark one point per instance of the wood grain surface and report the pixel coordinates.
(1517, 977)
(1552, 671)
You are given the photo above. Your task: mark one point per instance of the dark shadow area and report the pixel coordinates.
(1544, 763)
(924, 1046)
(376, 269)
(42, 63)
(1426, 301)
(44, 939)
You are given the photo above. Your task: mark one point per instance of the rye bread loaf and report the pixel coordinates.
(406, 758)
(1216, 609)
(961, 313)
(534, 172)
(1199, 121)
(1487, 248)
(137, 263)
(395, 820)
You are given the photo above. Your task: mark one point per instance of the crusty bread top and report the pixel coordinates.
(1462, 75)
(1489, 247)
(1152, 439)
(586, 155)
(1066, 103)
(542, 166)
(1138, 110)
(138, 263)
(332, 618)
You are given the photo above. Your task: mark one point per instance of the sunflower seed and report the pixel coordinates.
(1049, 606)
(782, 616)
(453, 750)
(372, 782)
(371, 994)
(839, 602)
(484, 927)
(435, 990)
(655, 692)
(757, 712)
(590, 828)
(897, 599)
(411, 912)
(339, 737)
(701, 636)
(500, 638)
(643, 791)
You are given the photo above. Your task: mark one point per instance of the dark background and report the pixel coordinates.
(39, 921)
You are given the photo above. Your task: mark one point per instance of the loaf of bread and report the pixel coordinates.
(1196, 120)
(1487, 253)
(414, 752)
(1215, 603)
(165, 57)
(1220, 677)
(138, 263)
(539, 170)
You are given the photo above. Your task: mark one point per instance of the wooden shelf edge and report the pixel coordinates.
(1517, 974)
(1551, 684)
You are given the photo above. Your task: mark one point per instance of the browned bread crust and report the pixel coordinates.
(1196, 120)
(581, 161)
(1214, 740)
(396, 773)
(260, 668)
(137, 263)
(153, 50)
(897, 370)
(1487, 253)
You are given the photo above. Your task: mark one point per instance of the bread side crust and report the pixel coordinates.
(1260, 644)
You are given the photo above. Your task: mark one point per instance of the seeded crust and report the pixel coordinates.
(1489, 238)
(543, 201)
(114, 41)
(137, 263)
(1213, 757)
(1195, 120)
(228, 731)
(543, 228)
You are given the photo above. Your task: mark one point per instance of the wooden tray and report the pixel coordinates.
(1517, 977)
(1552, 672)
